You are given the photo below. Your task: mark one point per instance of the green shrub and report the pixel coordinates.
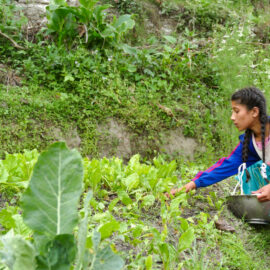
(68, 23)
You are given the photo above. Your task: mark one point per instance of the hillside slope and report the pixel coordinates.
(143, 90)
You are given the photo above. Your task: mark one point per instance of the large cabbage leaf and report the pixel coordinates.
(51, 199)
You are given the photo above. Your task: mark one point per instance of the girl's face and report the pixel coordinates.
(242, 117)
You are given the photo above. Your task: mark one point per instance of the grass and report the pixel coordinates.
(159, 84)
(65, 94)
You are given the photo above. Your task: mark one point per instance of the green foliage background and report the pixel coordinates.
(100, 66)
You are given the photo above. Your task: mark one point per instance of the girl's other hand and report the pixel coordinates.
(189, 186)
(264, 193)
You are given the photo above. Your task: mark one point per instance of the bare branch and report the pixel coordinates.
(15, 44)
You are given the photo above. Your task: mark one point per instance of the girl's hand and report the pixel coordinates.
(189, 186)
(264, 193)
(173, 192)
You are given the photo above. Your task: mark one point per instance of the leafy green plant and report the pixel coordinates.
(114, 175)
(88, 19)
(50, 209)
(16, 169)
(10, 219)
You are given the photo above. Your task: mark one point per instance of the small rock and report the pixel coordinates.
(224, 226)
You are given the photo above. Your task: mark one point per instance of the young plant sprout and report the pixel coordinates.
(249, 114)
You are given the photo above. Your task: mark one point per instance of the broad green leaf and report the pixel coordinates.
(82, 233)
(51, 199)
(98, 13)
(60, 255)
(96, 240)
(107, 229)
(164, 250)
(6, 217)
(109, 32)
(125, 199)
(3, 173)
(113, 204)
(148, 201)
(89, 4)
(18, 167)
(152, 178)
(20, 227)
(174, 206)
(134, 161)
(83, 14)
(31, 156)
(106, 259)
(17, 253)
(124, 23)
(184, 224)
(123, 227)
(168, 254)
(132, 181)
(93, 173)
(186, 239)
(41, 243)
(148, 262)
(204, 218)
(101, 217)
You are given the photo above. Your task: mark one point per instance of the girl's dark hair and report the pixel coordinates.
(252, 97)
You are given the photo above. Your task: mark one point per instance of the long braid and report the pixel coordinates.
(252, 97)
(245, 150)
(263, 120)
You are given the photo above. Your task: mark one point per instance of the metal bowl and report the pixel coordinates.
(248, 207)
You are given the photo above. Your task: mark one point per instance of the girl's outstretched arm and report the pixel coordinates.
(222, 169)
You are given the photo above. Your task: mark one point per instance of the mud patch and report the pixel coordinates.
(114, 140)
(177, 144)
(70, 136)
(117, 140)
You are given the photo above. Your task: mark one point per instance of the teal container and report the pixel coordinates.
(256, 181)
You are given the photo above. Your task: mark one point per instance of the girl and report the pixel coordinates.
(249, 114)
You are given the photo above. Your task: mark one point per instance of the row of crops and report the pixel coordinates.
(102, 214)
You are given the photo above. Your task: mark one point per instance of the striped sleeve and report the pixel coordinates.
(224, 168)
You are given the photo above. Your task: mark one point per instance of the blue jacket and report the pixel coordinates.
(226, 166)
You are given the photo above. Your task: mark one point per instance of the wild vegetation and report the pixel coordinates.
(154, 66)
(130, 221)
